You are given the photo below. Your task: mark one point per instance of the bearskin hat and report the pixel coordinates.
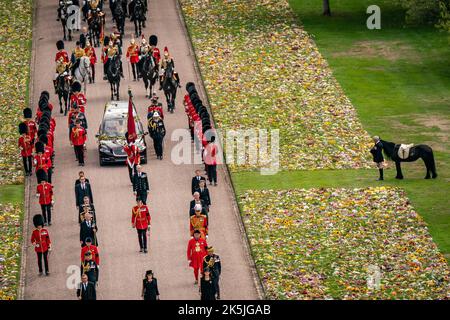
(43, 138)
(153, 40)
(43, 104)
(76, 86)
(41, 175)
(42, 131)
(190, 86)
(44, 127)
(27, 113)
(38, 220)
(60, 44)
(45, 94)
(39, 146)
(206, 128)
(106, 41)
(23, 128)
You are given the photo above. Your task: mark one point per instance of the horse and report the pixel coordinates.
(137, 15)
(63, 16)
(63, 85)
(420, 151)
(95, 23)
(119, 16)
(113, 75)
(82, 73)
(149, 73)
(170, 87)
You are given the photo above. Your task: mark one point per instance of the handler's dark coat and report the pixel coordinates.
(377, 152)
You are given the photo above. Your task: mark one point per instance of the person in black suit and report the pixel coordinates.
(82, 190)
(150, 287)
(140, 185)
(197, 200)
(207, 288)
(81, 175)
(204, 193)
(86, 289)
(88, 229)
(196, 180)
(83, 37)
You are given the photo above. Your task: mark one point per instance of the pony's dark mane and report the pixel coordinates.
(388, 148)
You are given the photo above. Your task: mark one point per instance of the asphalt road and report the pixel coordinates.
(122, 267)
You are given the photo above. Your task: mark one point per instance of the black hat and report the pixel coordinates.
(27, 113)
(42, 131)
(43, 104)
(148, 272)
(41, 175)
(197, 231)
(106, 41)
(88, 239)
(190, 86)
(43, 138)
(39, 146)
(38, 220)
(77, 43)
(23, 128)
(76, 86)
(213, 138)
(60, 44)
(153, 40)
(45, 94)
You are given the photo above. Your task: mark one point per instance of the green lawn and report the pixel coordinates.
(398, 79)
(12, 194)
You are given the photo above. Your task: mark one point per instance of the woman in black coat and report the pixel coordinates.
(150, 287)
(207, 289)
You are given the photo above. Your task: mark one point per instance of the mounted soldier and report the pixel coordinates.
(77, 53)
(165, 63)
(90, 52)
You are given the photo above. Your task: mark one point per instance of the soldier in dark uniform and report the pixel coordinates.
(157, 132)
(212, 261)
(90, 268)
(377, 153)
(140, 185)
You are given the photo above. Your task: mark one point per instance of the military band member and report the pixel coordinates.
(212, 261)
(86, 289)
(78, 97)
(377, 153)
(199, 222)
(26, 148)
(90, 268)
(196, 251)
(133, 57)
(90, 52)
(153, 42)
(140, 185)
(133, 157)
(44, 191)
(93, 249)
(40, 239)
(141, 220)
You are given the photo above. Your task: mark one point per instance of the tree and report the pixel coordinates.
(326, 8)
(444, 16)
(420, 12)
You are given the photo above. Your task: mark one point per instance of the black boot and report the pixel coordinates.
(381, 175)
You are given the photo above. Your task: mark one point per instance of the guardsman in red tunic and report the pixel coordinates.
(133, 57)
(77, 140)
(140, 219)
(61, 54)
(153, 41)
(31, 124)
(133, 157)
(93, 249)
(42, 161)
(196, 251)
(199, 222)
(78, 97)
(44, 191)
(26, 148)
(89, 51)
(40, 239)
